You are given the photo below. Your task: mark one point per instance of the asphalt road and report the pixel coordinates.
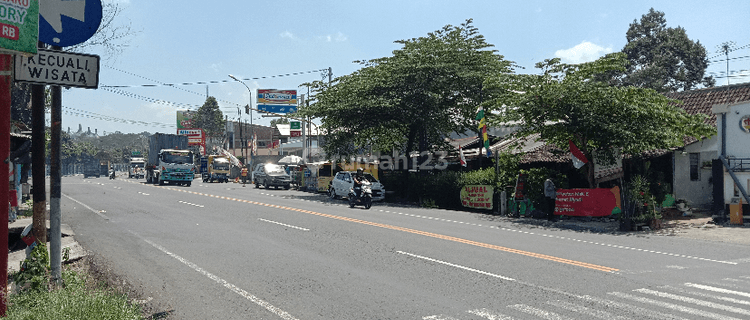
(223, 251)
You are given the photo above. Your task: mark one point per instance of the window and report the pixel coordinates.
(695, 163)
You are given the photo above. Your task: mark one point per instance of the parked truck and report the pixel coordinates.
(169, 160)
(217, 169)
(136, 167)
(91, 168)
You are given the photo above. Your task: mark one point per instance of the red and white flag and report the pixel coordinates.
(461, 152)
(578, 158)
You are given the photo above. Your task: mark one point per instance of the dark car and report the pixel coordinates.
(271, 175)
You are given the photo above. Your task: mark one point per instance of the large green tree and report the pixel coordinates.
(210, 118)
(663, 59)
(411, 100)
(566, 102)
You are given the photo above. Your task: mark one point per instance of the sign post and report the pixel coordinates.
(61, 24)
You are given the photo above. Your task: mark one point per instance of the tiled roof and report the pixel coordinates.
(701, 100)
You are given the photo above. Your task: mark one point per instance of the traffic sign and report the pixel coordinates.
(65, 23)
(52, 67)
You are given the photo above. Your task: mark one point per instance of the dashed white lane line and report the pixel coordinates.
(456, 266)
(677, 255)
(280, 313)
(284, 224)
(191, 204)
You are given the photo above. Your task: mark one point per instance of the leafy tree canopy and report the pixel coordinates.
(663, 59)
(210, 118)
(429, 88)
(566, 102)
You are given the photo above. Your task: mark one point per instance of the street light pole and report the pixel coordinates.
(250, 108)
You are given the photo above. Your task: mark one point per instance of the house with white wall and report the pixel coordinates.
(693, 176)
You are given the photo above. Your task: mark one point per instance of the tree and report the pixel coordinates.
(210, 118)
(663, 59)
(282, 120)
(566, 102)
(412, 100)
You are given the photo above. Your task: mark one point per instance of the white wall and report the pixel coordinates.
(697, 193)
(737, 143)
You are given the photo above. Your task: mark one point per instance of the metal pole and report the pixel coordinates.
(38, 171)
(6, 67)
(250, 106)
(55, 241)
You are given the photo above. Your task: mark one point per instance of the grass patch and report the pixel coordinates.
(73, 300)
(77, 296)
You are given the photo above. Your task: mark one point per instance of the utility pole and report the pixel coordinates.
(55, 178)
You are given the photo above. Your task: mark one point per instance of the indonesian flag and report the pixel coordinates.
(461, 152)
(578, 158)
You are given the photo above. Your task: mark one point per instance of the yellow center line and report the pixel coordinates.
(423, 233)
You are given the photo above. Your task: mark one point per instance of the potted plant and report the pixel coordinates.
(639, 206)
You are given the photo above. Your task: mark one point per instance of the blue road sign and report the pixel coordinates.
(278, 108)
(66, 23)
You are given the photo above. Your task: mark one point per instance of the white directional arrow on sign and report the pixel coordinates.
(53, 10)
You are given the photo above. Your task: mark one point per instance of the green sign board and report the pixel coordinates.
(19, 25)
(295, 125)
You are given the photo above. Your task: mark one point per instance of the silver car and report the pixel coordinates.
(343, 182)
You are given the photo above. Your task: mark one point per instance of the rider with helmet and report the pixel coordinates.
(358, 179)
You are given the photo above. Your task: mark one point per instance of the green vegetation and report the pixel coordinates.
(74, 298)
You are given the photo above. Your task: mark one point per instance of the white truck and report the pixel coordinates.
(169, 160)
(137, 167)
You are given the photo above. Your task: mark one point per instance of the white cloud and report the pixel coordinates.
(584, 52)
(340, 37)
(287, 34)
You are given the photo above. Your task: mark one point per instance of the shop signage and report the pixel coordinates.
(477, 196)
(19, 25)
(599, 202)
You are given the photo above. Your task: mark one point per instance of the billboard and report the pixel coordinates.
(277, 101)
(19, 26)
(185, 119)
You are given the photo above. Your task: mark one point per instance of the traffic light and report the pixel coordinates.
(247, 109)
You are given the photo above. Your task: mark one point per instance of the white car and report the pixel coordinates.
(342, 183)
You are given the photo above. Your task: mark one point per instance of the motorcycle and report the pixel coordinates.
(364, 198)
(111, 174)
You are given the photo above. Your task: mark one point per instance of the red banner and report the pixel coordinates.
(587, 202)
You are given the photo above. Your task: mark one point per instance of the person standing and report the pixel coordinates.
(550, 193)
(244, 175)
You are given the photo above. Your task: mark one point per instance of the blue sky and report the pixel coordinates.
(187, 41)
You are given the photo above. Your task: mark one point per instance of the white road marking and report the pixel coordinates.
(192, 204)
(715, 289)
(694, 301)
(680, 308)
(487, 314)
(87, 207)
(706, 295)
(538, 312)
(599, 314)
(281, 313)
(283, 224)
(456, 266)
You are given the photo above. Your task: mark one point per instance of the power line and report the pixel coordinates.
(92, 115)
(175, 85)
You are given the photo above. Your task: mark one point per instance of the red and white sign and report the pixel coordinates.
(295, 133)
(190, 132)
(587, 202)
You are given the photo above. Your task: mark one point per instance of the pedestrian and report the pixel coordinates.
(550, 193)
(244, 175)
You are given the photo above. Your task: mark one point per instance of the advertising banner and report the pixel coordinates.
(19, 26)
(477, 196)
(273, 96)
(185, 119)
(587, 202)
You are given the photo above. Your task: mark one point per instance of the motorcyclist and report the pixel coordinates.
(358, 179)
(111, 172)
